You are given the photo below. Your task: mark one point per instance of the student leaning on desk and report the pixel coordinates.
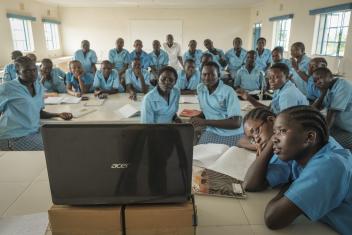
(21, 107)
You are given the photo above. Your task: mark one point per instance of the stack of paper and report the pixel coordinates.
(62, 100)
(128, 111)
(188, 99)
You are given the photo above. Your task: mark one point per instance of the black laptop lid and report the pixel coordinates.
(118, 163)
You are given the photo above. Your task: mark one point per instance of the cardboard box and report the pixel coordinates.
(164, 219)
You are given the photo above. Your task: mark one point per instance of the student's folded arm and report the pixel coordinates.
(144, 86)
(230, 123)
(69, 90)
(244, 143)
(254, 102)
(318, 103)
(331, 116)
(255, 179)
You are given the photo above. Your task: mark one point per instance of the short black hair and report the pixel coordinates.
(310, 119)
(189, 61)
(323, 71)
(46, 61)
(282, 67)
(21, 62)
(213, 64)
(168, 69)
(279, 49)
(299, 45)
(260, 113)
(261, 38)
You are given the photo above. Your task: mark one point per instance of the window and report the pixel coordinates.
(257, 28)
(282, 33)
(52, 40)
(22, 37)
(332, 33)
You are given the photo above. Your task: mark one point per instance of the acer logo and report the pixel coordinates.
(119, 165)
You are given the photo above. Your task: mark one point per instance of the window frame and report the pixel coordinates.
(54, 34)
(26, 30)
(278, 29)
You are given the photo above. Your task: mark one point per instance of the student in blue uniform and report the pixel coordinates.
(106, 80)
(140, 54)
(317, 175)
(286, 93)
(137, 79)
(336, 97)
(52, 78)
(120, 58)
(160, 105)
(10, 69)
(235, 57)
(188, 79)
(263, 59)
(158, 60)
(193, 53)
(277, 56)
(217, 54)
(87, 57)
(313, 92)
(78, 82)
(21, 107)
(221, 114)
(299, 64)
(249, 77)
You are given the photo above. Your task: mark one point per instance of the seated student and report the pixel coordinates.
(158, 60)
(336, 97)
(286, 93)
(249, 77)
(263, 59)
(313, 92)
(277, 56)
(217, 54)
(78, 82)
(137, 79)
(52, 78)
(317, 173)
(120, 58)
(193, 53)
(188, 79)
(10, 69)
(235, 57)
(160, 105)
(87, 57)
(221, 114)
(33, 57)
(140, 54)
(21, 107)
(106, 80)
(299, 64)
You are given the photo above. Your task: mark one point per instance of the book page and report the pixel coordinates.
(53, 100)
(205, 155)
(128, 111)
(189, 99)
(71, 100)
(234, 162)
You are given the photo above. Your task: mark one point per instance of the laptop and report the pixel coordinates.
(107, 164)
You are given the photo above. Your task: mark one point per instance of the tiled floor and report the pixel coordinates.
(24, 189)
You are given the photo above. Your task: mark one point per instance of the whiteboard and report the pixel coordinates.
(150, 30)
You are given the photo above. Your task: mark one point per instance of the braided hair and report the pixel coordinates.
(260, 113)
(310, 119)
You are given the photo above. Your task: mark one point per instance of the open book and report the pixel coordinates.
(128, 111)
(189, 99)
(62, 100)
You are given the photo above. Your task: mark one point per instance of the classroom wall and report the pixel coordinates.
(30, 8)
(101, 26)
(302, 27)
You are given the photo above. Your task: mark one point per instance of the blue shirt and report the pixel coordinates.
(159, 61)
(20, 111)
(263, 60)
(10, 72)
(287, 96)
(216, 58)
(56, 84)
(87, 60)
(234, 62)
(196, 56)
(250, 81)
(183, 84)
(313, 92)
(322, 188)
(339, 98)
(136, 83)
(144, 57)
(155, 109)
(87, 79)
(113, 81)
(221, 104)
(119, 59)
(303, 66)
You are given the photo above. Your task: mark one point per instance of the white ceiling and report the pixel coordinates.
(155, 3)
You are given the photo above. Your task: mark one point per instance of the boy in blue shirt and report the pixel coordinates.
(313, 92)
(10, 69)
(299, 64)
(188, 79)
(21, 107)
(221, 114)
(217, 54)
(52, 78)
(193, 53)
(336, 97)
(158, 60)
(235, 57)
(120, 58)
(87, 57)
(263, 59)
(140, 54)
(309, 164)
(78, 82)
(160, 105)
(286, 93)
(106, 80)
(137, 79)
